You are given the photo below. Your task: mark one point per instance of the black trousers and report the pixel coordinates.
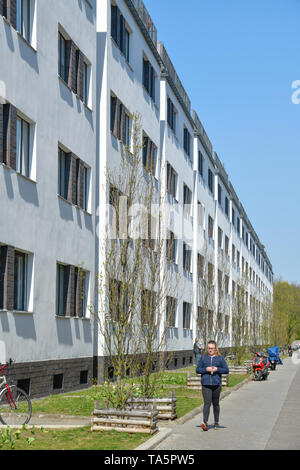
(211, 395)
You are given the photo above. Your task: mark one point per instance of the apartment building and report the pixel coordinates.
(129, 87)
(68, 101)
(47, 187)
(177, 157)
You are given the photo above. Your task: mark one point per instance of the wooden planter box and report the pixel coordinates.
(195, 382)
(166, 407)
(131, 421)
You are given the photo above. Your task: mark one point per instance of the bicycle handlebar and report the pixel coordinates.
(9, 363)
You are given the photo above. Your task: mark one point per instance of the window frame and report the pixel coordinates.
(171, 115)
(20, 305)
(23, 25)
(21, 159)
(62, 54)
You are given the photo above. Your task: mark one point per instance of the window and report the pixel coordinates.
(83, 377)
(23, 19)
(149, 230)
(233, 289)
(120, 123)
(171, 181)
(148, 307)
(127, 130)
(200, 318)
(149, 155)
(73, 179)
(23, 147)
(210, 180)
(81, 292)
(15, 278)
(210, 320)
(220, 238)
(233, 216)
(210, 274)
(187, 199)
(119, 31)
(115, 301)
(115, 21)
(171, 307)
(226, 284)
(149, 78)
(63, 173)
(226, 245)
(227, 206)
(24, 384)
(85, 83)
(171, 115)
(233, 253)
(187, 141)
(200, 163)
(187, 256)
(220, 321)
(210, 227)
(200, 266)
(226, 324)
(71, 291)
(83, 88)
(201, 215)
(62, 58)
(220, 281)
(86, 181)
(171, 247)
(114, 210)
(58, 381)
(220, 195)
(62, 277)
(20, 282)
(187, 309)
(127, 45)
(74, 68)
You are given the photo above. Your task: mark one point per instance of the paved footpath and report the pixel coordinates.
(260, 415)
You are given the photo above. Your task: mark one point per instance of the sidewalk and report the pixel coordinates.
(260, 415)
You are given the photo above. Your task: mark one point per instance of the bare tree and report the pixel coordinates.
(134, 278)
(240, 318)
(206, 295)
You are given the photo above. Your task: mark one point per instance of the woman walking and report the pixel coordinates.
(211, 367)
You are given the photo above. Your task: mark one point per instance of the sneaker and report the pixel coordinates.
(217, 426)
(204, 426)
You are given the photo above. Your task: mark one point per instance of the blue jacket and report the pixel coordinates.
(206, 377)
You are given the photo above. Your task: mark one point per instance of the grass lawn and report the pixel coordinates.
(73, 439)
(235, 379)
(82, 404)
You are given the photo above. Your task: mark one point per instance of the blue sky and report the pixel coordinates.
(237, 60)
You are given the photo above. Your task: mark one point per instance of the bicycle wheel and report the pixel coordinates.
(17, 413)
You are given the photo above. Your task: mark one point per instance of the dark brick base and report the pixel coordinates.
(41, 375)
(172, 360)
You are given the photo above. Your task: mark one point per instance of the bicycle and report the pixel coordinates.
(15, 404)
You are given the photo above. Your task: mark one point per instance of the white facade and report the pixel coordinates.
(35, 219)
(52, 231)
